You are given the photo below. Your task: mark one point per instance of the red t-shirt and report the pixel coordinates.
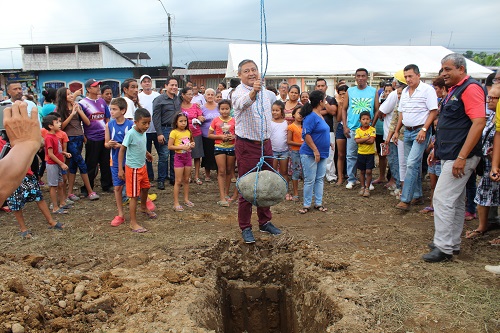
(61, 135)
(52, 141)
(473, 99)
(221, 127)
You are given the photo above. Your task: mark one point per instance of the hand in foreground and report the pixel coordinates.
(21, 128)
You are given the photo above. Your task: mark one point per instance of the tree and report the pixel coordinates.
(483, 58)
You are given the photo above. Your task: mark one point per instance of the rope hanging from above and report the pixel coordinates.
(263, 188)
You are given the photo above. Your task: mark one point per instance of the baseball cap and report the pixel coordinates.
(143, 77)
(92, 83)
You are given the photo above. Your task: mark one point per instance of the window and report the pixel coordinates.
(54, 84)
(88, 48)
(61, 49)
(115, 87)
(34, 50)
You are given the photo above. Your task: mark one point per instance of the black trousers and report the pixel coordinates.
(98, 155)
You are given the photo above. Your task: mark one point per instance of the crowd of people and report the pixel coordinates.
(410, 128)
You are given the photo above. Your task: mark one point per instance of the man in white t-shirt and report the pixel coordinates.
(197, 97)
(146, 97)
(130, 90)
(418, 109)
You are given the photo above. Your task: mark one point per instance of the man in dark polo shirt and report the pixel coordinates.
(165, 107)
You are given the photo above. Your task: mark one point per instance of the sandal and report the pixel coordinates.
(288, 197)
(178, 208)
(321, 208)
(426, 210)
(495, 242)
(140, 230)
(295, 198)
(198, 181)
(223, 203)
(117, 221)
(57, 226)
(305, 210)
(403, 206)
(189, 204)
(151, 215)
(474, 234)
(60, 211)
(26, 234)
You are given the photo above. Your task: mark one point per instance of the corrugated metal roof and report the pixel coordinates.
(183, 71)
(213, 64)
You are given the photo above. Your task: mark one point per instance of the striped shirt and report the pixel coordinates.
(247, 114)
(415, 108)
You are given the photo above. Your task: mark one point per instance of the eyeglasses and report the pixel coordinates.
(496, 80)
(491, 98)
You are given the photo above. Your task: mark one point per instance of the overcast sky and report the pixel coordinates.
(202, 29)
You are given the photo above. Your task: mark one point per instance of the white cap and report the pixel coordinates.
(143, 77)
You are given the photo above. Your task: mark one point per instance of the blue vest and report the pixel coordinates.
(359, 100)
(454, 125)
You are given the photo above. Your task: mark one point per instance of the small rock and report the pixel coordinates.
(16, 286)
(33, 259)
(62, 304)
(17, 328)
(198, 284)
(53, 289)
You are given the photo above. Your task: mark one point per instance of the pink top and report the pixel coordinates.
(193, 112)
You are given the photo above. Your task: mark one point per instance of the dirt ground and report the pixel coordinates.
(355, 268)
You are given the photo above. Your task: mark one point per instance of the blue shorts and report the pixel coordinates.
(281, 154)
(366, 162)
(114, 174)
(339, 133)
(435, 168)
(28, 191)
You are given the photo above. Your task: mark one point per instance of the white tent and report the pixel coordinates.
(336, 60)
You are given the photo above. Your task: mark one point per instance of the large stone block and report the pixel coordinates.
(271, 188)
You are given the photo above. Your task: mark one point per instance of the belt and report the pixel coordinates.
(412, 128)
(251, 141)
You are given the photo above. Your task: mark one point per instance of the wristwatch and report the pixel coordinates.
(424, 129)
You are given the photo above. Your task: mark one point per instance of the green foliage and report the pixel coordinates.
(484, 58)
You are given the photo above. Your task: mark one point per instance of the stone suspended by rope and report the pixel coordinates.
(262, 188)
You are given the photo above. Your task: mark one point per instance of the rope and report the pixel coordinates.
(264, 61)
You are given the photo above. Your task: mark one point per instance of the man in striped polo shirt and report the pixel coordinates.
(252, 127)
(418, 109)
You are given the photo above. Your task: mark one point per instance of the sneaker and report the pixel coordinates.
(367, 193)
(361, 191)
(73, 197)
(69, 202)
(161, 185)
(492, 269)
(247, 235)
(269, 228)
(93, 196)
(125, 200)
(350, 185)
(371, 188)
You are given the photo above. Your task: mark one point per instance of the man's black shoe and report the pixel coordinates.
(432, 247)
(161, 185)
(436, 256)
(172, 182)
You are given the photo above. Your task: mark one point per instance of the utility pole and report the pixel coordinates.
(170, 53)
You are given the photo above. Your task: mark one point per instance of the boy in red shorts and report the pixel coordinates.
(134, 151)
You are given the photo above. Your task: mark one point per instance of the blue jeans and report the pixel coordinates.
(394, 163)
(163, 158)
(414, 151)
(152, 139)
(352, 157)
(314, 174)
(75, 147)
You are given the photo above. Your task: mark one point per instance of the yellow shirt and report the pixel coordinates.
(365, 148)
(497, 118)
(180, 138)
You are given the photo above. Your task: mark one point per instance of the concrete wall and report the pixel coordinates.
(111, 59)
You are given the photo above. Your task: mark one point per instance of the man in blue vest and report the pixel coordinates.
(360, 98)
(458, 146)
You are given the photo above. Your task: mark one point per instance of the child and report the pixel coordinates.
(294, 141)
(55, 161)
(434, 171)
(222, 131)
(29, 191)
(133, 149)
(279, 132)
(181, 140)
(365, 138)
(115, 132)
(65, 202)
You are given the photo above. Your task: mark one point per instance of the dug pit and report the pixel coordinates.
(268, 287)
